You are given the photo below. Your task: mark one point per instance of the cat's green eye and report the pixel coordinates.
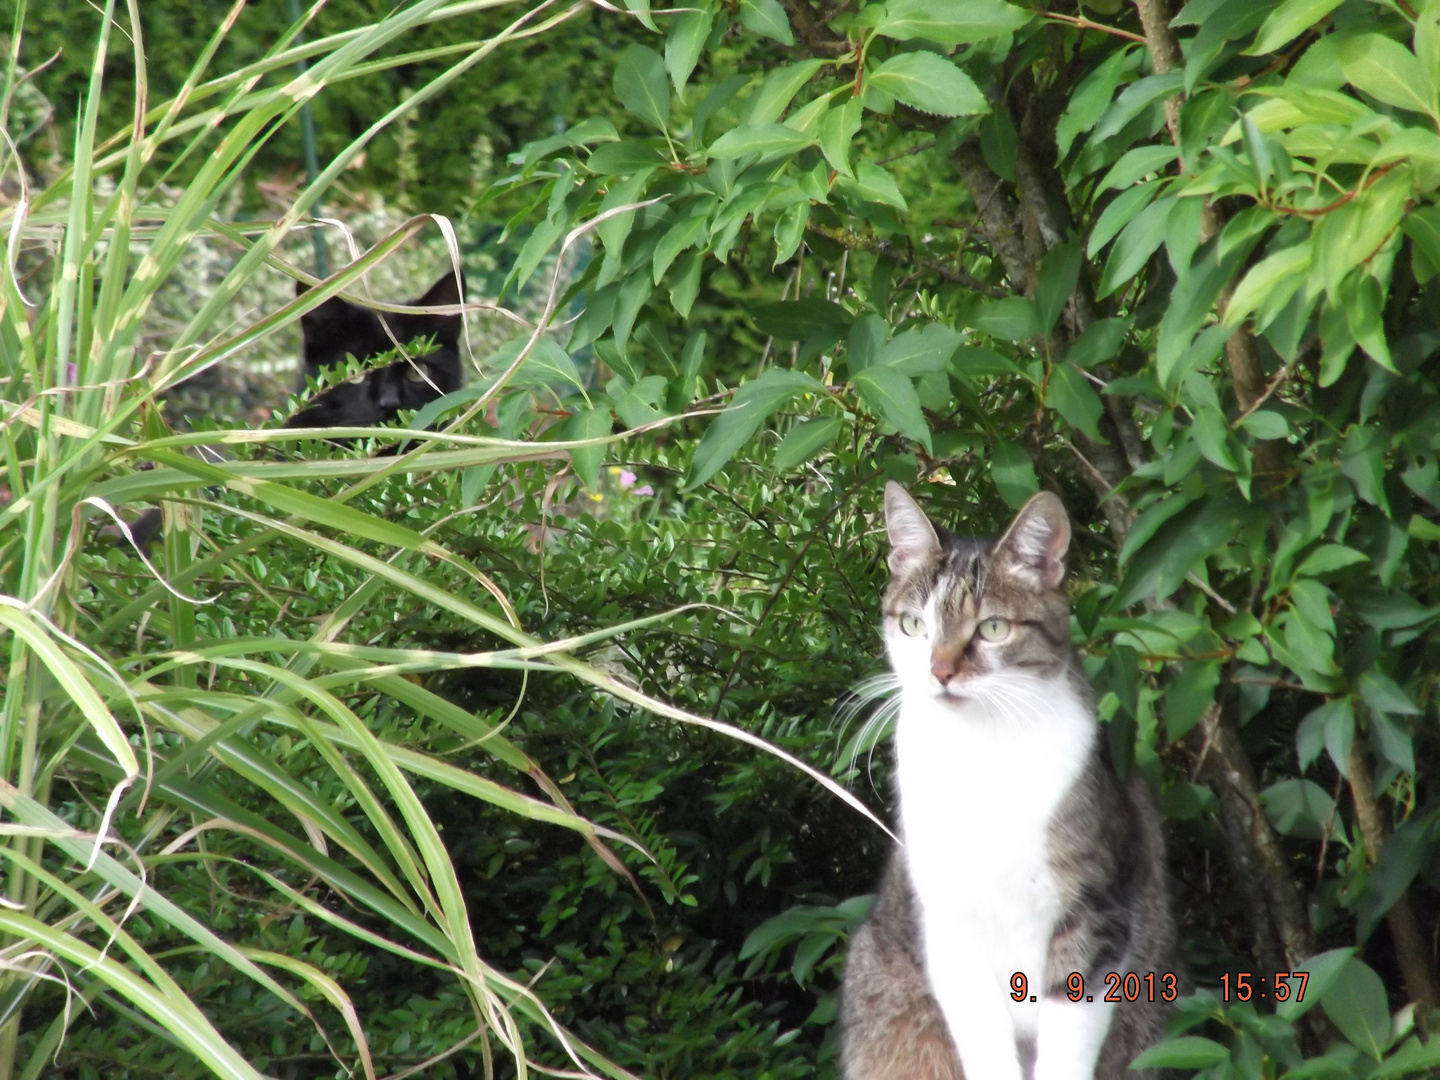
(911, 625)
(414, 374)
(995, 629)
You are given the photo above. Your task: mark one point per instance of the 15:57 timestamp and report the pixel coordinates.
(1245, 985)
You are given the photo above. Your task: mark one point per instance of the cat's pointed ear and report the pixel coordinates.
(1034, 545)
(449, 291)
(912, 537)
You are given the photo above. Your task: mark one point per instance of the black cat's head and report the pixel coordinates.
(337, 329)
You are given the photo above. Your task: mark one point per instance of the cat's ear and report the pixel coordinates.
(450, 289)
(1034, 545)
(912, 537)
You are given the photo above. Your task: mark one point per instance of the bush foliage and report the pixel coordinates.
(441, 750)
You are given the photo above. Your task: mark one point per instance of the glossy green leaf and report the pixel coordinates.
(1012, 319)
(1182, 1052)
(1386, 70)
(766, 18)
(1266, 424)
(685, 233)
(762, 139)
(950, 22)
(1188, 695)
(872, 184)
(805, 440)
(929, 83)
(1362, 460)
(892, 396)
(921, 351)
(1323, 970)
(641, 86)
(837, 129)
(1287, 22)
(1356, 1003)
(1383, 694)
(1070, 394)
(752, 404)
(1299, 808)
(685, 41)
(1059, 274)
(1012, 472)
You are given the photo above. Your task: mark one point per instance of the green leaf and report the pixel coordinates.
(683, 234)
(1089, 101)
(685, 42)
(777, 91)
(1070, 394)
(1118, 213)
(872, 184)
(1394, 741)
(1011, 319)
(1410, 1060)
(950, 22)
(1182, 1052)
(1299, 808)
(1280, 272)
(685, 283)
(921, 351)
(790, 231)
(1356, 1003)
(929, 83)
(588, 424)
(766, 18)
(1158, 568)
(1323, 969)
(1188, 695)
(641, 86)
(682, 390)
(1136, 243)
(759, 139)
(799, 320)
(867, 337)
(805, 440)
(623, 158)
(892, 396)
(1000, 144)
(1287, 22)
(1266, 424)
(1363, 299)
(1406, 852)
(973, 362)
(748, 409)
(1136, 165)
(1383, 694)
(1059, 274)
(1212, 436)
(1362, 460)
(1328, 558)
(1012, 472)
(1386, 70)
(837, 129)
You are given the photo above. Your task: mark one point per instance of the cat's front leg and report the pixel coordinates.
(974, 1005)
(1068, 1038)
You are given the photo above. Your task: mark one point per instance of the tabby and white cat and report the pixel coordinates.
(1023, 851)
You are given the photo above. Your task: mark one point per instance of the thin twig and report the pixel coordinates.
(1086, 24)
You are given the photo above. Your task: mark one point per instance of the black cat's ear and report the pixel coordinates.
(449, 291)
(912, 537)
(301, 288)
(1034, 545)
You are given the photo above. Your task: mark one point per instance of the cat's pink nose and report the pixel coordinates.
(944, 669)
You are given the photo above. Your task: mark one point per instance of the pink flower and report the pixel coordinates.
(646, 490)
(627, 478)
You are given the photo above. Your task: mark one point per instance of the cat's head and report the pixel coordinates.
(971, 619)
(338, 328)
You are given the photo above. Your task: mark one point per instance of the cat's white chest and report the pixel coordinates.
(978, 792)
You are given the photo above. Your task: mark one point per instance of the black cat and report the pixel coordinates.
(337, 329)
